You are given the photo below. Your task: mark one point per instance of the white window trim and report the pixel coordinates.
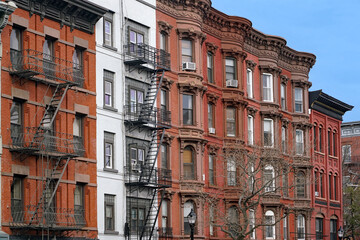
(250, 129)
(270, 87)
(299, 101)
(298, 224)
(271, 130)
(301, 142)
(270, 188)
(249, 80)
(268, 214)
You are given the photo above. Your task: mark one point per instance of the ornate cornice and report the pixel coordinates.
(301, 125)
(190, 33)
(271, 69)
(301, 83)
(285, 122)
(234, 102)
(168, 138)
(6, 9)
(212, 98)
(284, 79)
(213, 149)
(179, 7)
(250, 64)
(252, 111)
(192, 87)
(211, 47)
(271, 114)
(167, 83)
(235, 53)
(164, 27)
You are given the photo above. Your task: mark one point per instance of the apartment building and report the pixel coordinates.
(232, 88)
(326, 195)
(48, 121)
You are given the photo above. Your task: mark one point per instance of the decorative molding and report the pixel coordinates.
(212, 98)
(285, 122)
(168, 138)
(270, 68)
(235, 53)
(6, 9)
(190, 33)
(191, 87)
(213, 149)
(164, 27)
(250, 64)
(234, 102)
(211, 47)
(166, 83)
(251, 111)
(301, 83)
(284, 79)
(271, 114)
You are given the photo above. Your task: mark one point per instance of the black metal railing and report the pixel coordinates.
(37, 139)
(31, 63)
(52, 217)
(165, 232)
(146, 175)
(148, 54)
(145, 114)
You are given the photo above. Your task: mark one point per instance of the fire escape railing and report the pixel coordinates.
(43, 140)
(158, 177)
(28, 63)
(143, 114)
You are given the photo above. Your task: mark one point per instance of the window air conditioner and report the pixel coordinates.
(136, 167)
(212, 130)
(189, 66)
(316, 194)
(232, 83)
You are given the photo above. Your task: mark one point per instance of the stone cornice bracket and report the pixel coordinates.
(6, 9)
(192, 87)
(251, 111)
(212, 98)
(250, 64)
(164, 27)
(213, 149)
(235, 53)
(271, 114)
(271, 69)
(284, 79)
(301, 83)
(302, 125)
(211, 47)
(190, 33)
(166, 83)
(234, 102)
(168, 138)
(285, 122)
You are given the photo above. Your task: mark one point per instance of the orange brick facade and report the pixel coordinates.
(25, 157)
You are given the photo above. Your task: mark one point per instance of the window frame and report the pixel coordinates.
(190, 119)
(211, 115)
(266, 144)
(109, 201)
(284, 139)
(319, 228)
(250, 129)
(185, 56)
(346, 157)
(299, 142)
(108, 17)
(210, 67)
(333, 228)
(109, 138)
(79, 209)
(164, 41)
(252, 223)
(269, 89)
(109, 77)
(301, 185)
(231, 173)
(17, 203)
(234, 68)
(16, 53)
(299, 103)
(231, 122)
(135, 105)
(189, 165)
(270, 227)
(164, 156)
(186, 211)
(270, 182)
(211, 169)
(165, 218)
(283, 96)
(17, 127)
(301, 224)
(137, 227)
(249, 83)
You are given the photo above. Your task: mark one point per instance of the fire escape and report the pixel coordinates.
(147, 117)
(53, 149)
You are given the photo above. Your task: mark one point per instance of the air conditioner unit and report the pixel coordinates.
(232, 83)
(316, 194)
(191, 66)
(136, 167)
(212, 130)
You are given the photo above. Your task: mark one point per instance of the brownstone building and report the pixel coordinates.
(49, 120)
(232, 87)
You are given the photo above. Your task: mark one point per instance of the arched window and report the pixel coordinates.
(269, 178)
(187, 209)
(301, 227)
(189, 166)
(233, 220)
(333, 227)
(300, 185)
(269, 225)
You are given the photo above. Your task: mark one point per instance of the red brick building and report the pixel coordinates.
(49, 120)
(231, 87)
(326, 194)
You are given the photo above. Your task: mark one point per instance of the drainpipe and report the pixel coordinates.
(6, 9)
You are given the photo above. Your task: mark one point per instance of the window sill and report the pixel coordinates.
(110, 108)
(111, 232)
(110, 47)
(110, 170)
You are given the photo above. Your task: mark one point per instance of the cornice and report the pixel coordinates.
(181, 8)
(164, 27)
(270, 68)
(212, 98)
(190, 33)
(284, 79)
(251, 111)
(235, 53)
(301, 83)
(250, 64)
(211, 47)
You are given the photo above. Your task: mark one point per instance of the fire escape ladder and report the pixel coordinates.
(148, 107)
(152, 214)
(46, 194)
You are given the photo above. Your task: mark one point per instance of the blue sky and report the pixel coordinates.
(330, 29)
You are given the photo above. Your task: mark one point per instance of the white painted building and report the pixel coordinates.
(122, 143)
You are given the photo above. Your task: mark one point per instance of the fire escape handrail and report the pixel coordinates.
(139, 113)
(159, 177)
(30, 62)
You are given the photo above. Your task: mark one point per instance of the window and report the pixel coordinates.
(17, 202)
(187, 209)
(230, 122)
(16, 127)
(321, 178)
(283, 139)
(109, 212)
(285, 227)
(330, 187)
(164, 105)
(230, 69)
(300, 185)
(346, 153)
(16, 47)
(268, 132)
(285, 182)
(109, 150)
(210, 67)
(333, 229)
(231, 172)
(316, 184)
(189, 165)
(299, 100)
(234, 220)
(249, 80)
(186, 51)
(300, 227)
(267, 87)
(252, 223)
(334, 144)
(136, 42)
(188, 118)
(269, 179)
(137, 219)
(211, 170)
(315, 137)
(329, 143)
(320, 139)
(79, 209)
(211, 116)
(250, 129)
(252, 177)
(269, 225)
(335, 187)
(164, 156)
(319, 228)
(108, 89)
(136, 100)
(163, 41)
(299, 139)
(137, 157)
(165, 215)
(283, 96)
(78, 131)
(78, 65)
(108, 29)
(48, 58)
(212, 220)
